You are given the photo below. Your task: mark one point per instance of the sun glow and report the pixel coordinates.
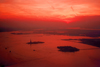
(47, 8)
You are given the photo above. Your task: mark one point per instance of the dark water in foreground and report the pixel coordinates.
(14, 52)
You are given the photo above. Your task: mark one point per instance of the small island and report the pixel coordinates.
(20, 33)
(67, 49)
(35, 42)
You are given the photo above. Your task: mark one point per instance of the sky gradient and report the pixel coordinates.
(50, 8)
(75, 11)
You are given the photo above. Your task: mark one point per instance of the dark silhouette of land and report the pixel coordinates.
(35, 42)
(19, 33)
(93, 42)
(67, 49)
(71, 32)
(68, 39)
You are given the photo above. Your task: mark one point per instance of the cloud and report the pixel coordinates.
(21, 2)
(7, 1)
(21, 23)
(89, 22)
(30, 24)
(50, 8)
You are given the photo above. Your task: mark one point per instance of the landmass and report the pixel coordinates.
(67, 49)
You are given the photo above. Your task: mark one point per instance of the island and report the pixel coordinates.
(35, 42)
(67, 49)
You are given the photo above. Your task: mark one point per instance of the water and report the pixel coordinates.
(46, 54)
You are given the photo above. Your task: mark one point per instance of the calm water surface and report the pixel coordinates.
(46, 54)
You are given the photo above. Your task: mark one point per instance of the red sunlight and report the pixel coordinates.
(60, 9)
(49, 33)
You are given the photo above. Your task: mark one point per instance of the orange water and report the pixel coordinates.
(46, 54)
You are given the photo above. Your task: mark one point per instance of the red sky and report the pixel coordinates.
(50, 9)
